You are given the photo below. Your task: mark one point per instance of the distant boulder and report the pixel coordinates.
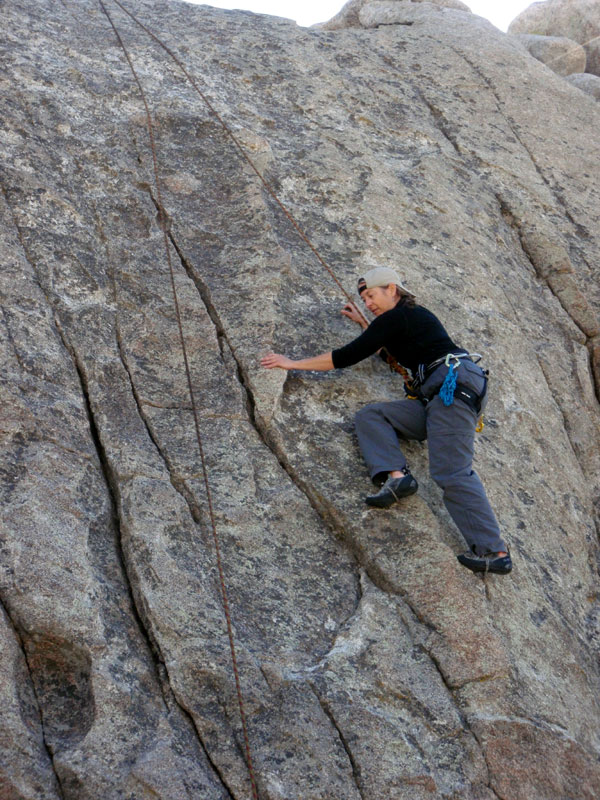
(562, 55)
(576, 19)
(590, 84)
(367, 14)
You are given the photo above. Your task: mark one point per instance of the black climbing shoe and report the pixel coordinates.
(392, 490)
(490, 562)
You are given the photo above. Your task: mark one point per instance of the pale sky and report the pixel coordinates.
(306, 12)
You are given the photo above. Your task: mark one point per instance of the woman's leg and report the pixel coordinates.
(450, 435)
(377, 429)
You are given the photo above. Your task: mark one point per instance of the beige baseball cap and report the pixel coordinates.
(379, 276)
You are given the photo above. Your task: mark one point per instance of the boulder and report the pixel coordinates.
(590, 84)
(371, 664)
(578, 20)
(389, 12)
(563, 56)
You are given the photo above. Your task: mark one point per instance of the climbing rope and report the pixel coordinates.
(394, 365)
(163, 217)
(240, 150)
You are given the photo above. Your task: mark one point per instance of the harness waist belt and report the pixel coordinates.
(474, 357)
(425, 370)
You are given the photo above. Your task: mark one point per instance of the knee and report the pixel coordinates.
(367, 413)
(448, 479)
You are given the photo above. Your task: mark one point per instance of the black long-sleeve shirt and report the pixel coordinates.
(412, 334)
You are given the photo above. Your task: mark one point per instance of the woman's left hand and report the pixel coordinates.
(273, 360)
(352, 312)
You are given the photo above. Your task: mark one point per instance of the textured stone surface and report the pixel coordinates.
(25, 764)
(576, 19)
(590, 84)
(372, 664)
(563, 56)
(388, 12)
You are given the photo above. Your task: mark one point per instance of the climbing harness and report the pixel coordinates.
(470, 397)
(451, 388)
(163, 219)
(425, 370)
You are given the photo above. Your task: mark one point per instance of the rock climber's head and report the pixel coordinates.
(381, 289)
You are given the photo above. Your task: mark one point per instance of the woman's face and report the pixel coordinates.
(380, 299)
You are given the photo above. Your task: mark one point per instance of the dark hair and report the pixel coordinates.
(406, 298)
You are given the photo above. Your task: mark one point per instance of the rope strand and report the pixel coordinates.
(390, 359)
(164, 226)
(241, 151)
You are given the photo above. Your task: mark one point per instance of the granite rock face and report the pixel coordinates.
(574, 19)
(563, 56)
(373, 666)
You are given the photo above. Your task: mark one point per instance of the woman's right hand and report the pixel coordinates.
(352, 312)
(273, 360)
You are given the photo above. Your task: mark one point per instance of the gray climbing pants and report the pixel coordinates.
(450, 434)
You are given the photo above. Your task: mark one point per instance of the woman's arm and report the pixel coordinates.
(321, 363)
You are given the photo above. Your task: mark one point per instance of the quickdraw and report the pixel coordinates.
(449, 385)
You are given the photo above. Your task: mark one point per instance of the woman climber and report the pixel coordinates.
(450, 391)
